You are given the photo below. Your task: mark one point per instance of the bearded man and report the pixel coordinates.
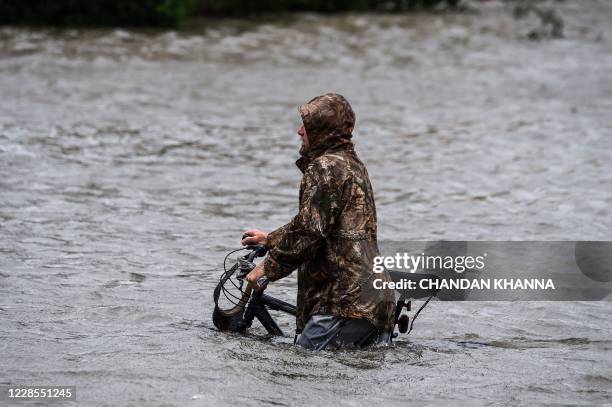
(332, 240)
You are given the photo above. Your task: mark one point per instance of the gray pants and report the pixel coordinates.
(322, 331)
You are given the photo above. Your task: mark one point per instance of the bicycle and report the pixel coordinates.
(251, 304)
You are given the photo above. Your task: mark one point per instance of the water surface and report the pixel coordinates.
(131, 162)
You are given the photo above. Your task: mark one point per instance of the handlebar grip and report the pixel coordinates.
(260, 249)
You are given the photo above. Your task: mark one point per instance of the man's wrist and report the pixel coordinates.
(267, 242)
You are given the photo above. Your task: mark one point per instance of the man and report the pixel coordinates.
(332, 240)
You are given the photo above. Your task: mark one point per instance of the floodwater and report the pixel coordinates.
(131, 162)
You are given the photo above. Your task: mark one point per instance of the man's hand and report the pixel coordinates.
(255, 275)
(255, 236)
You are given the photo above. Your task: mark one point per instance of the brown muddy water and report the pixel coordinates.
(131, 162)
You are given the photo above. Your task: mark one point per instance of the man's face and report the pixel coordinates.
(304, 137)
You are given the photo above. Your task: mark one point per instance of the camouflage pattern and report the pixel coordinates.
(332, 240)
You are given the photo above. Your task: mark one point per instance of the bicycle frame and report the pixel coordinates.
(258, 308)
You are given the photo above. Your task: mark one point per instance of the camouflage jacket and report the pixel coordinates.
(332, 240)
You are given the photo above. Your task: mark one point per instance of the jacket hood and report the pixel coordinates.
(329, 121)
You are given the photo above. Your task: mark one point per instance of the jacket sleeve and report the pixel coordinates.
(319, 208)
(276, 235)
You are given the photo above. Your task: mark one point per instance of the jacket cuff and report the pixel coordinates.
(274, 270)
(276, 235)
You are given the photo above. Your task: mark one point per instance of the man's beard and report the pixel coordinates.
(303, 149)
